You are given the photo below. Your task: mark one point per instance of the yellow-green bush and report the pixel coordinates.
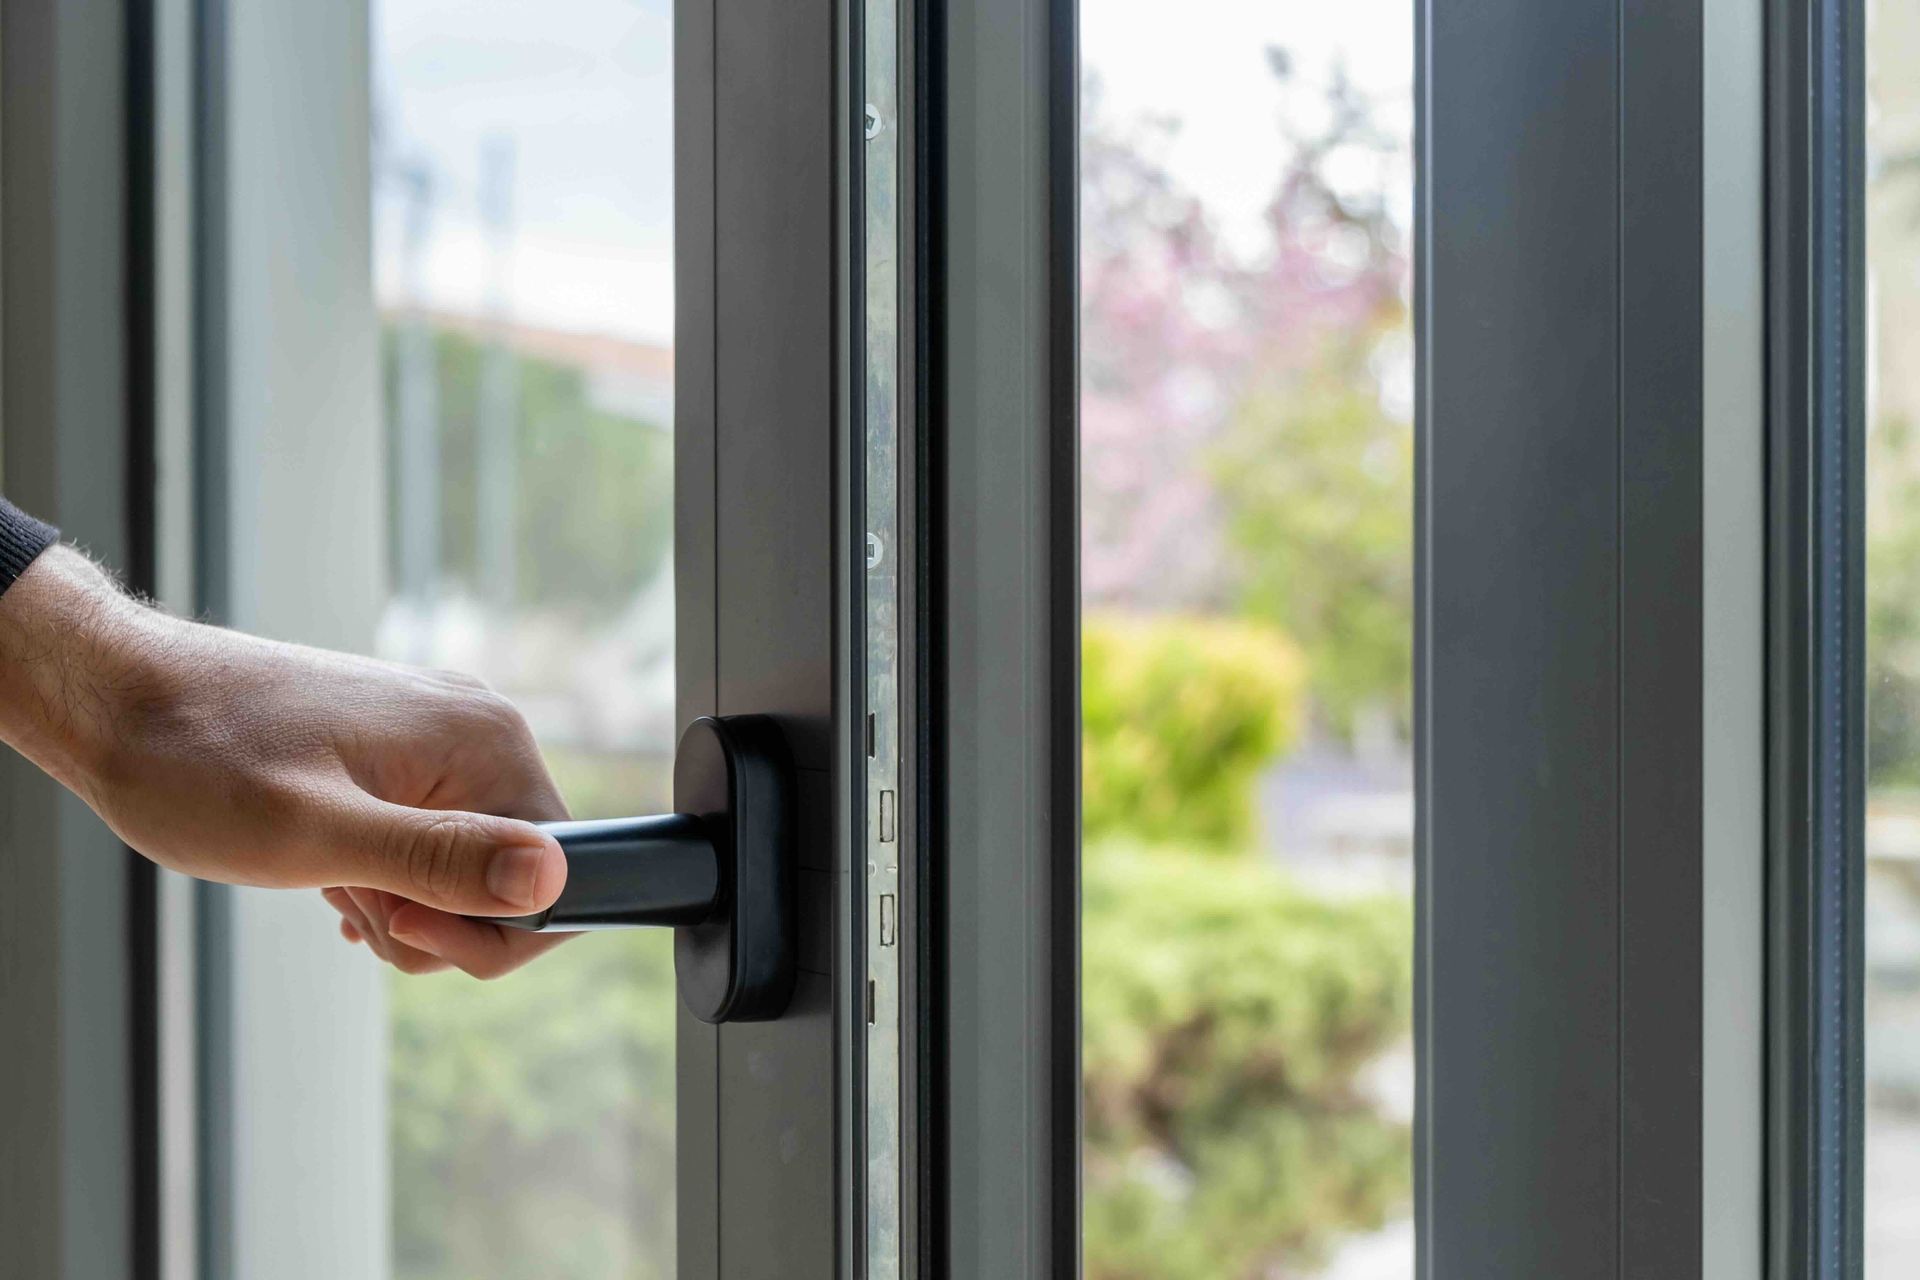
(1180, 715)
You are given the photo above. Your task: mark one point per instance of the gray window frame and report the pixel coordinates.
(1003, 422)
(1590, 647)
(1816, 388)
(766, 561)
(75, 1155)
(1589, 679)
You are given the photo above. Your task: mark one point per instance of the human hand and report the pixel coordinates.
(408, 796)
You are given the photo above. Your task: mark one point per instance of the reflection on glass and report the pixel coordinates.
(523, 268)
(1893, 641)
(1248, 487)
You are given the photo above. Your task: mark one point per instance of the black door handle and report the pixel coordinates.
(719, 872)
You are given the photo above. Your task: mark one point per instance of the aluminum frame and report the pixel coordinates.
(767, 565)
(75, 1161)
(1816, 634)
(1561, 909)
(1586, 790)
(1002, 405)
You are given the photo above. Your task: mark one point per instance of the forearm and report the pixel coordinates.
(74, 654)
(244, 760)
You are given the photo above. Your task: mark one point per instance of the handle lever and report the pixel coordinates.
(719, 872)
(623, 873)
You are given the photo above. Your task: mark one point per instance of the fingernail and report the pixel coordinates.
(513, 876)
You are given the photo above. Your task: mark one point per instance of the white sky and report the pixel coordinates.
(583, 89)
(1205, 62)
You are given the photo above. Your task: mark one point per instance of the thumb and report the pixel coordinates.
(467, 863)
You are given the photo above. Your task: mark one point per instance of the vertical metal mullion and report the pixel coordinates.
(915, 1148)
(1835, 564)
(1003, 416)
(781, 633)
(1816, 514)
(1790, 1123)
(850, 955)
(213, 599)
(1063, 439)
(1520, 687)
(1560, 630)
(924, 626)
(143, 884)
(696, 572)
(68, 1141)
(1852, 58)
(1662, 718)
(161, 75)
(213, 540)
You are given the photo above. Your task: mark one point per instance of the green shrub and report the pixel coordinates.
(532, 1121)
(1180, 715)
(1228, 1017)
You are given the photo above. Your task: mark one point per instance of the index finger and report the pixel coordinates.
(481, 949)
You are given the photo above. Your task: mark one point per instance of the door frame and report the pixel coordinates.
(1002, 419)
(1590, 1017)
(77, 1156)
(765, 573)
(766, 400)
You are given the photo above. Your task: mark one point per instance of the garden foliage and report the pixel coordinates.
(1179, 714)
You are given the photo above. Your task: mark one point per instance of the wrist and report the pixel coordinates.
(75, 654)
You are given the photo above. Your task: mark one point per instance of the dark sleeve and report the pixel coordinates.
(21, 539)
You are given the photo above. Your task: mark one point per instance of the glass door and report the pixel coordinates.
(515, 349)
(522, 218)
(1247, 481)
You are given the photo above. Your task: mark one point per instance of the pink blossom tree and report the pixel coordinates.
(1216, 384)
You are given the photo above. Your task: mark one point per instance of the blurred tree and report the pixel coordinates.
(1238, 438)
(1161, 349)
(1315, 469)
(1319, 481)
(593, 488)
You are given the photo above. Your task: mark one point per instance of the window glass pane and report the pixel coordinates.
(522, 261)
(1247, 459)
(1893, 641)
